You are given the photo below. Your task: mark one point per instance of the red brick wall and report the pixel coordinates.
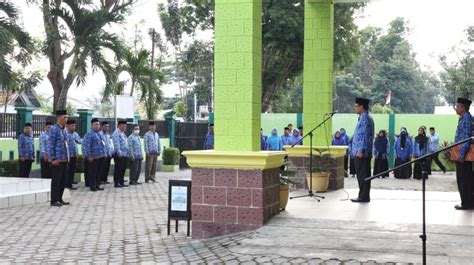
(226, 201)
(301, 164)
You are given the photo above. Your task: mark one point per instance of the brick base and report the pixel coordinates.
(226, 201)
(301, 165)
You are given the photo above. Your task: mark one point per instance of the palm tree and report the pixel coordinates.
(143, 78)
(75, 30)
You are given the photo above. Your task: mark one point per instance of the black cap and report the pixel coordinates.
(60, 112)
(69, 122)
(464, 101)
(27, 124)
(105, 123)
(151, 123)
(94, 120)
(362, 101)
(211, 125)
(48, 123)
(122, 122)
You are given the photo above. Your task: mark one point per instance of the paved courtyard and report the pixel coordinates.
(129, 226)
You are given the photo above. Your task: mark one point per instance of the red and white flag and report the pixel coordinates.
(389, 97)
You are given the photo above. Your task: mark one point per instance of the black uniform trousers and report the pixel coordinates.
(71, 171)
(465, 181)
(58, 181)
(362, 167)
(135, 170)
(86, 172)
(105, 169)
(45, 169)
(25, 168)
(119, 171)
(95, 167)
(435, 158)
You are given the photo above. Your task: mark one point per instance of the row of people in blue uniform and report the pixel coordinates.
(59, 151)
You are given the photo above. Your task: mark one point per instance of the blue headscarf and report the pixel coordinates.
(274, 141)
(295, 137)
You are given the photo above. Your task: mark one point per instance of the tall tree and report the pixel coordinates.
(76, 36)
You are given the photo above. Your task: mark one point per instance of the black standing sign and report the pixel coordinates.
(179, 202)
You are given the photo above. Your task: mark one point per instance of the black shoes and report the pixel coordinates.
(99, 188)
(360, 200)
(57, 204)
(72, 188)
(153, 180)
(462, 207)
(64, 203)
(117, 185)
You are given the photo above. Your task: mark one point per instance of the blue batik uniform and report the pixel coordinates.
(152, 143)
(135, 147)
(26, 147)
(384, 155)
(43, 142)
(363, 138)
(57, 148)
(434, 143)
(209, 141)
(93, 145)
(417, 150)
(285, 140)
(120, 143)
(403, 153)
(73, 139)
(273, 142)
(108, 146)
(464, 131)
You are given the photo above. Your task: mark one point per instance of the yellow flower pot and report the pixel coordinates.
(320, 181)
(284, 194)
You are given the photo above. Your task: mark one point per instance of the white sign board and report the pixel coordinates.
(124, 107)
(179, 198)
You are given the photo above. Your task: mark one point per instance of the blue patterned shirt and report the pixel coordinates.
(463, 132)
(57, 148)
(152, 142)
(285, 140)
(120, 143)
(43, 142)
(434, 143)
(209, 141)
(109, 146)
(135, 146)
(72, 140)
(418, 151)
(93, 145)
(363, 138)
(26, 147)
(403, 153)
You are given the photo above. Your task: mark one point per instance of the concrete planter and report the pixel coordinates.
(284, 194)
(169, 168)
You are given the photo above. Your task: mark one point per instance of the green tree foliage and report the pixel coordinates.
(283, 39)
(381, 109)
(346, 88)
(180, 109)
(458, 76)
(76, 38)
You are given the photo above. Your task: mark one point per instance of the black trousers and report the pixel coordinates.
(418, 169)
(86, 172)
(465, 181)
(381, 165)
(95, 167)
(135, 169)
(45, 169)
(435, 158)
(119, 171)
(346, 165)
(71, 171)
(104, 174)
(25, 168)
(58, 181)
(362, 168)
(352, 169)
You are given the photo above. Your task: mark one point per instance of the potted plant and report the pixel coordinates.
(285, 188)
(10, 168)
(170, 160)
(446, 155)
(321, 170)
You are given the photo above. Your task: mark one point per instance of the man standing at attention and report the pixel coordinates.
(26, 150)
(152, 150)
(464, 175)
(72, 140)
(43, 142)
(286, 137)
(434, 147)
(108, 149)
(120, 154)
(58, 155)
(209, 141)
(94, 152)
(136, 155)
(362, 146)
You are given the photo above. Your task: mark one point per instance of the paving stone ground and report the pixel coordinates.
(129, 226)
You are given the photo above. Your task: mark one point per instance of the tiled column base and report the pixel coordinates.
(226, 201)
(301, 164)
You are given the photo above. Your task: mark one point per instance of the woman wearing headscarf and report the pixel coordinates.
(403, 151)
(338, 139)
(296, 137)
(263, 140)
(381, 151)
(420, 148)
(274, 141)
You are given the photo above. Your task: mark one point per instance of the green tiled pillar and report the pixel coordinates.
(318, 67)
(86, 117)
(238, 51)
(25, 115)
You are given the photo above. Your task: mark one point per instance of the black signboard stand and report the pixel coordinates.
(179, 203)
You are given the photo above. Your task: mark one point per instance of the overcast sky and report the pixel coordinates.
(436, 27)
